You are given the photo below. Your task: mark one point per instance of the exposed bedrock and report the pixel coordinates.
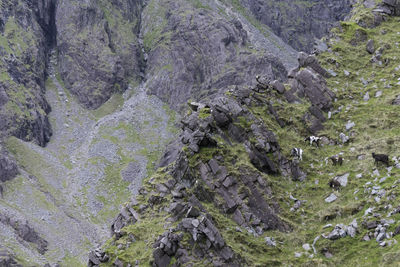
(26, 37)
(98, 47)
(195, 53)
(299, 23)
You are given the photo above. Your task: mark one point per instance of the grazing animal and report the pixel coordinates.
(337, 160)
(297, 152)
(381, 158)
(334, 184)
(313, 139)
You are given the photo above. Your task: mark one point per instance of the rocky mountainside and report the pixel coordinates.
(93, 91)
(299, 23)
(229, 192)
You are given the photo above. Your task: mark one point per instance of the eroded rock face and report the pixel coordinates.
(25, 232)
(98, 47)
(244, 195)
(102, 44)
(308, 82)
(7, 260)
(196, 53)
(390, 7)
(25, 42)
(299, 22)
(8, 166)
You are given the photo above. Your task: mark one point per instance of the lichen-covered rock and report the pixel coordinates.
(8, 166)
(309, 82)
(24, 43)
(25, 232)
(98, 47)
(188, 58)
(308, 20)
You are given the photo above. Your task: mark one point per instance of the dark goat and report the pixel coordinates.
(334, 184)
(381, 158)
(337, 160)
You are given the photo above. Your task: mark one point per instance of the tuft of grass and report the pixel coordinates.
(204, 113)
(70, 260)
(113, 104)
(144, 232)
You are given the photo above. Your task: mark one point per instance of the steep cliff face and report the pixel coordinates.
(98, 47)
(8, 167)
(199, 48)
(299, 23)
(24, 42)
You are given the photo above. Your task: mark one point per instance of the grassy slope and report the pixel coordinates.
(111, 189)
(376, 130)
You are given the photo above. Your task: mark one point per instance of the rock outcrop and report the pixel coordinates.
(25, 232)
(308, 82)
(299, 23)
(381, 11)
(197, 177)
(24, 45)
(8, 166)
(98, 47)
(190, 59)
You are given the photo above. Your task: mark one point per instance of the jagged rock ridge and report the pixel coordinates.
(299, 23)
(199, 57)
(234, 184)
(338, 209)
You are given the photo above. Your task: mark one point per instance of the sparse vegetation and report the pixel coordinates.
(376, 130)
(87, 184)
(112, 105)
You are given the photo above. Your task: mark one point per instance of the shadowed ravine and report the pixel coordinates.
(93, 164)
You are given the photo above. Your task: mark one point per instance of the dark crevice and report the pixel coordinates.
(46, 17)
(51, 33)
(1, 26)
(141, 52)
(109, 37)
